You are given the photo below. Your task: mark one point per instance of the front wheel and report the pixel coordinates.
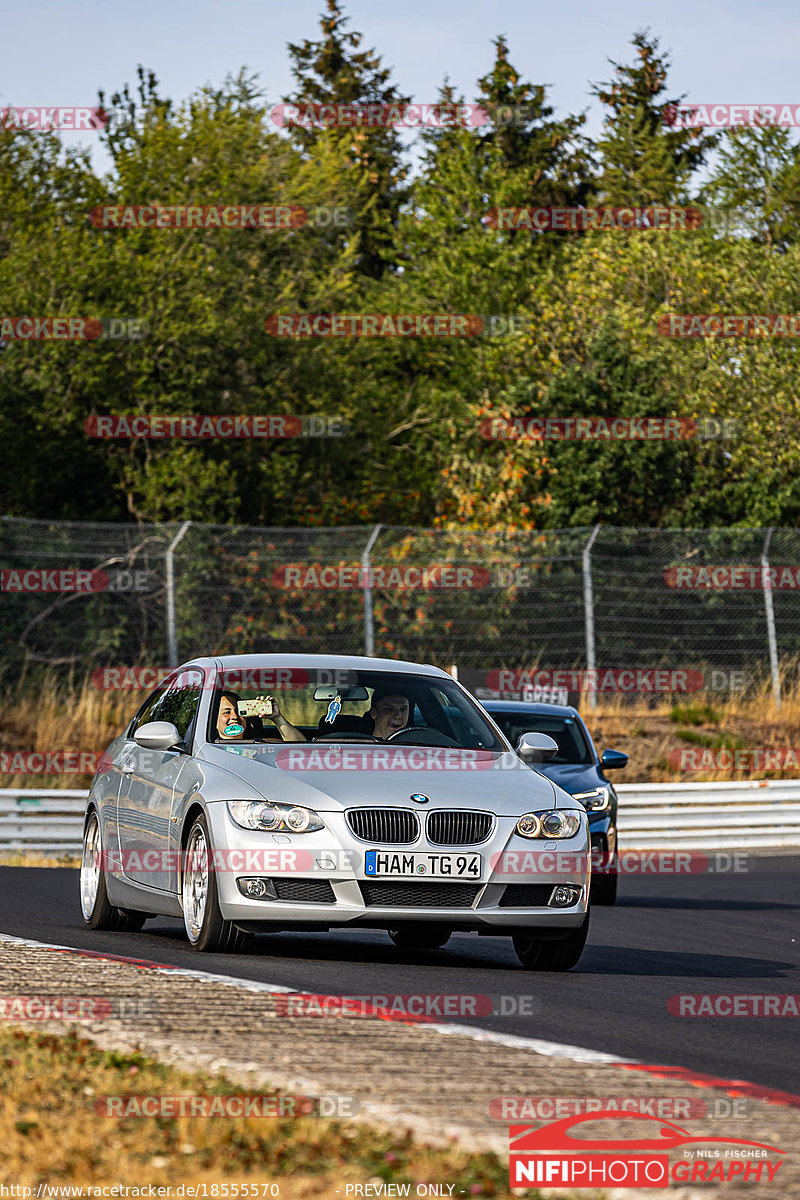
(98, 911)
(206, 928)
(420, 937)
(546, 954)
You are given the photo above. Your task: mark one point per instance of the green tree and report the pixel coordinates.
(643, 160)
(757, 174)
(551, 155)
(335, 71)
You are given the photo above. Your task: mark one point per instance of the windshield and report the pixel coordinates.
(567, 733)
(402, 708)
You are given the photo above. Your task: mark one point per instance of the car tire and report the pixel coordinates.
(206, 928)
(604, 889)
(98, 911)
(420, 937)
(551, 954)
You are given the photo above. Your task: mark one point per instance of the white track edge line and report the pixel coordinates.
(579, 1054)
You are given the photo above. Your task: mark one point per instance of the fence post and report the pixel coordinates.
(172, 636)
(772, 640)
(588, 610)
(366, 583)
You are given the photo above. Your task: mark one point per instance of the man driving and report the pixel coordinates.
(390, 712)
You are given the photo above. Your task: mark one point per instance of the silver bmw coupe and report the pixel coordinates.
(257, 793)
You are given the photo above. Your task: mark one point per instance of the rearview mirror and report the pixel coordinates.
(612, 760)
(157, 735)
(330, 692)
(536, 747)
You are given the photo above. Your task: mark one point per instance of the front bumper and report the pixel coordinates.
(331, 863)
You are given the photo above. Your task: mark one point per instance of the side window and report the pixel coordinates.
(179, 702)
(145, 713)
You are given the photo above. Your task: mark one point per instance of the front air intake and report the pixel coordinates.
(387, 826)
(448, 828)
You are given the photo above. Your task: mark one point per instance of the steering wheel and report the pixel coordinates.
(434, 737)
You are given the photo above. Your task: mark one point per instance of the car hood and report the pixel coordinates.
(574, 777)
(500, 783)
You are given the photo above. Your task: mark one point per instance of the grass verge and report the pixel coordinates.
(50, 1132)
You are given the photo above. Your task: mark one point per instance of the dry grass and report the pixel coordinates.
(650, 732)
(67, 715)
(51, 1133)
(56, 714)
(35, 858)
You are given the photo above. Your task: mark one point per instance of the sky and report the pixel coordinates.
(722, 51)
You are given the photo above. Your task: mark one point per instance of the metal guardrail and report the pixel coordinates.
(652, 816)
(49, 820)
(747, 815)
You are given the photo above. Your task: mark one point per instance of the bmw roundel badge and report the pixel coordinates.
(419, 798)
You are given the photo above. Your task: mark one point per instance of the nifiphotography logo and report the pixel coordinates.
(552, 1155)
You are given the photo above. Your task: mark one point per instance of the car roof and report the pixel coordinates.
(530, 708)
(251, 662)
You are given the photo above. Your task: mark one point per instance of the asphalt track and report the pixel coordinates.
(727, 933)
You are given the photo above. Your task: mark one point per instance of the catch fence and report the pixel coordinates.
(721, 604)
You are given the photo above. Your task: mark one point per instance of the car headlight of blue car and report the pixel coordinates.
(595, 800)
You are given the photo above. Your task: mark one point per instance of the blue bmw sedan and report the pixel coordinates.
(577, 768)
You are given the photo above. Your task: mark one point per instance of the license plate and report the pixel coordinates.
(421, 865)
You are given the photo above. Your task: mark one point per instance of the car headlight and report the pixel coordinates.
(560, 823)
(274, 818)
(597, 798)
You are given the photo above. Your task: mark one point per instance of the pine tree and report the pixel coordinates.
(334, 70)
(552, 155)
(643, 161)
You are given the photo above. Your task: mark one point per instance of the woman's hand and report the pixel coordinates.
(269, 708)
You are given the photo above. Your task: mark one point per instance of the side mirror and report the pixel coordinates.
(536, 747)
(612, 760)
(157, 735)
